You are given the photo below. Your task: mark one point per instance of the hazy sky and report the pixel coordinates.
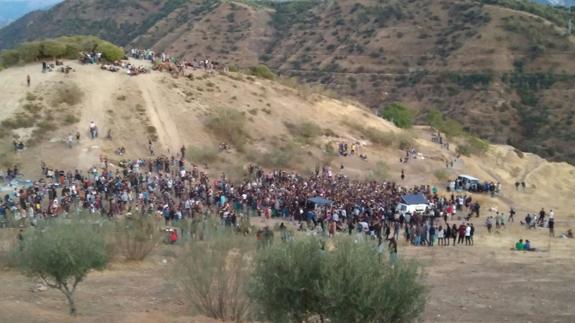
(13, 9)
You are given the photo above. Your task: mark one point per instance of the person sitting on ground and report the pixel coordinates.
(519, 245)
(527, 246)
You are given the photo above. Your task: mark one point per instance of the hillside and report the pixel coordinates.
(276, 125)
(263, 122)
(500, 67)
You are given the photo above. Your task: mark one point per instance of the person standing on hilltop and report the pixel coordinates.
(28, 80)
(93, 130)
(151, 147)
(541, 220)
(183, 152)
(551, 223)
(511, 215)
(461, 232)
(403, 174)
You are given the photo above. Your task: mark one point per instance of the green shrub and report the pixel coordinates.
(401, 116)
(470, 81)
(287, 281)
(351, 282)
(51, 48)
(450, 127)
(9, 57)
(67, 47)
(262, 71)
(62, 254)
(29, 52)
(360, 286)
(288, 13)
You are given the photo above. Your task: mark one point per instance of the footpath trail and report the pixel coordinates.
(99, 94)
(158, 112)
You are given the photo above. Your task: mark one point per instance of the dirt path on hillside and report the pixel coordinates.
(99, 94)
(159, 115)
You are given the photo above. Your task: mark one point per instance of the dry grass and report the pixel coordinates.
(203, 155)
(19, 121)
(230, 126)
(66, 93)
(33, 107)
(305, 131)
(152, 132)
(441, 175)
(70, 119)
(401, 140)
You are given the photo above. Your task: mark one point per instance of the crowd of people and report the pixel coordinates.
(172, 188)
(176, 66)
(176, 190)
(126, 67)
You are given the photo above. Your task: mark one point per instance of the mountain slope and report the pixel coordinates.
(283, 127)
(500, 67)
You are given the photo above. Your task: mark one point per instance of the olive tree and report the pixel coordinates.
(361, 286)
(62, 254)
(287, 281)
(346, 282)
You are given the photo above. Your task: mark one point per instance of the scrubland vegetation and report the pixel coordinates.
(68, 47)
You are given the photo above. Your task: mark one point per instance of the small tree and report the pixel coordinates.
(262, 71)
(451, 127)
(287, 281)
(348, 282)
(62, 254)
(361, 286)
(137, 236)
(213, 274)
(401, 116)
